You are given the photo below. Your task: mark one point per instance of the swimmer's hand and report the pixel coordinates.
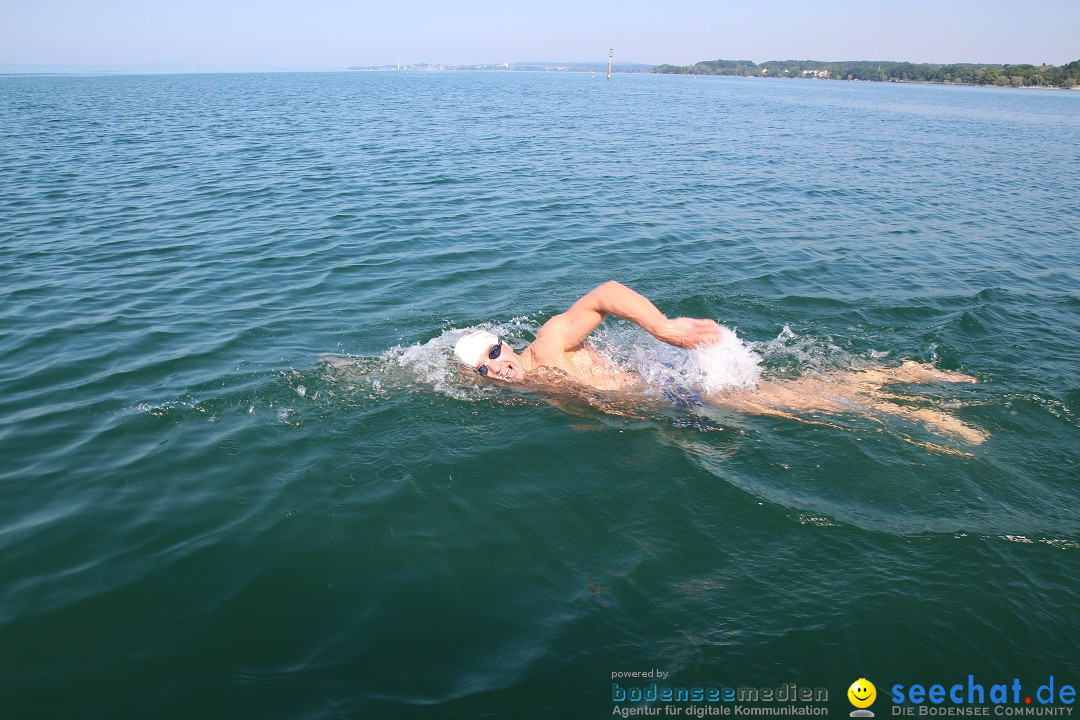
(689, 333)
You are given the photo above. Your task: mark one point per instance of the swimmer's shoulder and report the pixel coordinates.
(549, 347)
(537, 356)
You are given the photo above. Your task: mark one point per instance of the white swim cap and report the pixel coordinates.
(473, 347)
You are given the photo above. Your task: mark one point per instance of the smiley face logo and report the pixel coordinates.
(862, 693)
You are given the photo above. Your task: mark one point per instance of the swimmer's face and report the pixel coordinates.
(862, 693)
(505, 366)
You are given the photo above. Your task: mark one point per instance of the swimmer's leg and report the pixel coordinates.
(805, 400)
(808, 399)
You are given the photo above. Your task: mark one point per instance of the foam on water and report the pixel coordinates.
(791, 354)
(729, 363)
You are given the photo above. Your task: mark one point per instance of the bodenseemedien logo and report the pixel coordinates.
(862, 694)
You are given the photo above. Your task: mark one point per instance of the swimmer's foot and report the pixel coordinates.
(938, 422)
(910, 371)
(950, 426)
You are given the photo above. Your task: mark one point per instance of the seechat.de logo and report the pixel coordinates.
(862, 694)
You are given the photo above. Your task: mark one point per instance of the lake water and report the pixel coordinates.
(201, 518)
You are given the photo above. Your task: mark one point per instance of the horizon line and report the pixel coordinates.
(10, 68)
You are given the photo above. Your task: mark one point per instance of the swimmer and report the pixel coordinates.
(561, 352)
(561, 345)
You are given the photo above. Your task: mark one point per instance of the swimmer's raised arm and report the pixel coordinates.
(572, 327)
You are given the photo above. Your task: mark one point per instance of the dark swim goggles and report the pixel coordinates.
(496, 349)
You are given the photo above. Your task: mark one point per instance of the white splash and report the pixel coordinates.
(727, 364)
(433, 363)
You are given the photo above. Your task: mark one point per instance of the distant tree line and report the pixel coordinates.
(1065, 76)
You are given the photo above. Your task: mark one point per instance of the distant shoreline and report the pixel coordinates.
(1019, 76)
(894, 82)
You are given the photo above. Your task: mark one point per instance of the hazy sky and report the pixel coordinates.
(334, 34)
